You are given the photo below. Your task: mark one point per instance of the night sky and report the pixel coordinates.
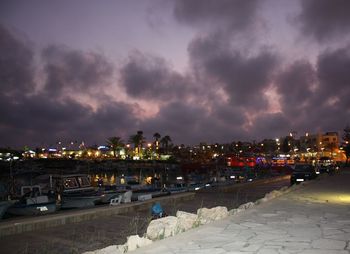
(196, 70)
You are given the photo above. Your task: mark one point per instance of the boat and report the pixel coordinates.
(32, 202)
(4, 205)
(139, 190)
(109, 192)
(76, 191)
(72, 190)
(177, 188)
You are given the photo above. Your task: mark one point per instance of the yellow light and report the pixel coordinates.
(344, 198)
(148, 180)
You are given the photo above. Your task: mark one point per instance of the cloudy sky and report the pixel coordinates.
(196, 70)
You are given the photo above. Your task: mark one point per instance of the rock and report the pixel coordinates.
(273, 194)
(246, 206)
(206, 215)
(134, 242)
(162, 228)
(186, 221)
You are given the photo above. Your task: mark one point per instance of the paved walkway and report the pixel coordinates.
(315, 218)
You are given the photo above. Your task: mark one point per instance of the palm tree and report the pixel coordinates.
(165, 142)
(138, 140)
(115, 143)
(156, 141)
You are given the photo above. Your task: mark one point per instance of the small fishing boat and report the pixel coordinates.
(4, 205)
(109, 192)
(32, 202)
(177, 188)
(76, 191)
(72, 190)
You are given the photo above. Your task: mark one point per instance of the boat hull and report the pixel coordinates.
(32, 209)
(4, 205)
(79, 202)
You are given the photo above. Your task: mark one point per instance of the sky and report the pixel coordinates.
(212, 71)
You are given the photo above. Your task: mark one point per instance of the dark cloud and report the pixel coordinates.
(295, 84)
(333, 71)
(188, 122)
(276, 124)
(333, 93)
(316, 99)
(227, 15)
(151, 78)
(244, 78)
(324, 19)
(40, 118)
(16, 59)
(70, 70)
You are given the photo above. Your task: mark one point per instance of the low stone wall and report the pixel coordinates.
(183, 221)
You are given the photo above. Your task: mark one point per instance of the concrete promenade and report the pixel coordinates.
(313, 218)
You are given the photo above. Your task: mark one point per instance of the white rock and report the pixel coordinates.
(186, 220)
(134, 242)
(246, 206)
(262, 200)
(206, 215)
(162, 228)
(273, 194)
(235, 211)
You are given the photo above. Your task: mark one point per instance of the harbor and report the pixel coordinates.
(97, 227)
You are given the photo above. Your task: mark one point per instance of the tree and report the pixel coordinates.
(115, 143)
(138, 140)
(156, 137)
(346, 146)
(286, 144)
(346, 134)
(156, 141)
(165, 142)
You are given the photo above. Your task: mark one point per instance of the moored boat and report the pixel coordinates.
(76, 191)
(4, 205)
(32, 202)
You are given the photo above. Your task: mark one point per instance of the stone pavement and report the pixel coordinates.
(313, 218)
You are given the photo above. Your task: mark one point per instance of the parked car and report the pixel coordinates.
(303, 172)
(326, 169)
